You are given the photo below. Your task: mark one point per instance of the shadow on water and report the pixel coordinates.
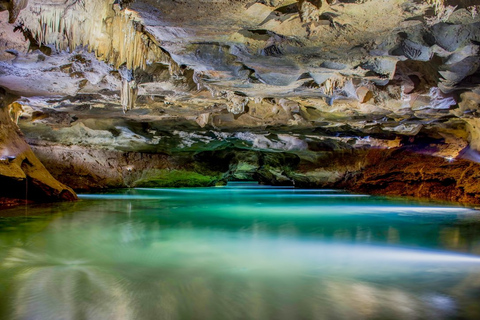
(240, 252)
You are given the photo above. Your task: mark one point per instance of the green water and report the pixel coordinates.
(239, 253)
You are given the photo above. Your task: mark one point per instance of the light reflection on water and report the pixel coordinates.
(225, 253)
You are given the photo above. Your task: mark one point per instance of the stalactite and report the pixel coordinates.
(114, 35)
(15, 110)
(236, 104)
(331, 84)
(129, 94)
(197, 78)
(310, 10)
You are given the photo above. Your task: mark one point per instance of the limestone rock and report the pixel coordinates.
(23, 176)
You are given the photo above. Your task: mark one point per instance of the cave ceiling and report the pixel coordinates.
(275, 74)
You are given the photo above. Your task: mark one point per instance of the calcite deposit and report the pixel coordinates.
(378, 96)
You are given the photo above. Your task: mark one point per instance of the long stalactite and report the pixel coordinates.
(115, 35)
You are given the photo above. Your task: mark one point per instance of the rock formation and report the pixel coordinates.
(22, 175)
(320, 93)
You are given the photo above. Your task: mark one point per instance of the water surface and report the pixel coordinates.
(241, 252)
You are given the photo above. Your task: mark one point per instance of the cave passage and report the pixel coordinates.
(239, 159)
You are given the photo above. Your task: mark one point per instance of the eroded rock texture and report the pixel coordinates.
(402, 172)
(22, 175)
(270, 88)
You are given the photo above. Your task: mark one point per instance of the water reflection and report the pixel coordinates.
(52, 287)
(208, 254)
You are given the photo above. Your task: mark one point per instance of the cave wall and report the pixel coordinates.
(402, 172)
(392, 172)
(22, 175)
(88, 169)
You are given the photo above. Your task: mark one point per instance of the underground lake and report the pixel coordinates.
(239, 252)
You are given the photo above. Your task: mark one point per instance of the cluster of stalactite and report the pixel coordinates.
(109, 30)
(115, 35)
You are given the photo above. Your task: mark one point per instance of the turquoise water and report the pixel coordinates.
(240, 252)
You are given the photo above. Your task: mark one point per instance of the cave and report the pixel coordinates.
(239, 159)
